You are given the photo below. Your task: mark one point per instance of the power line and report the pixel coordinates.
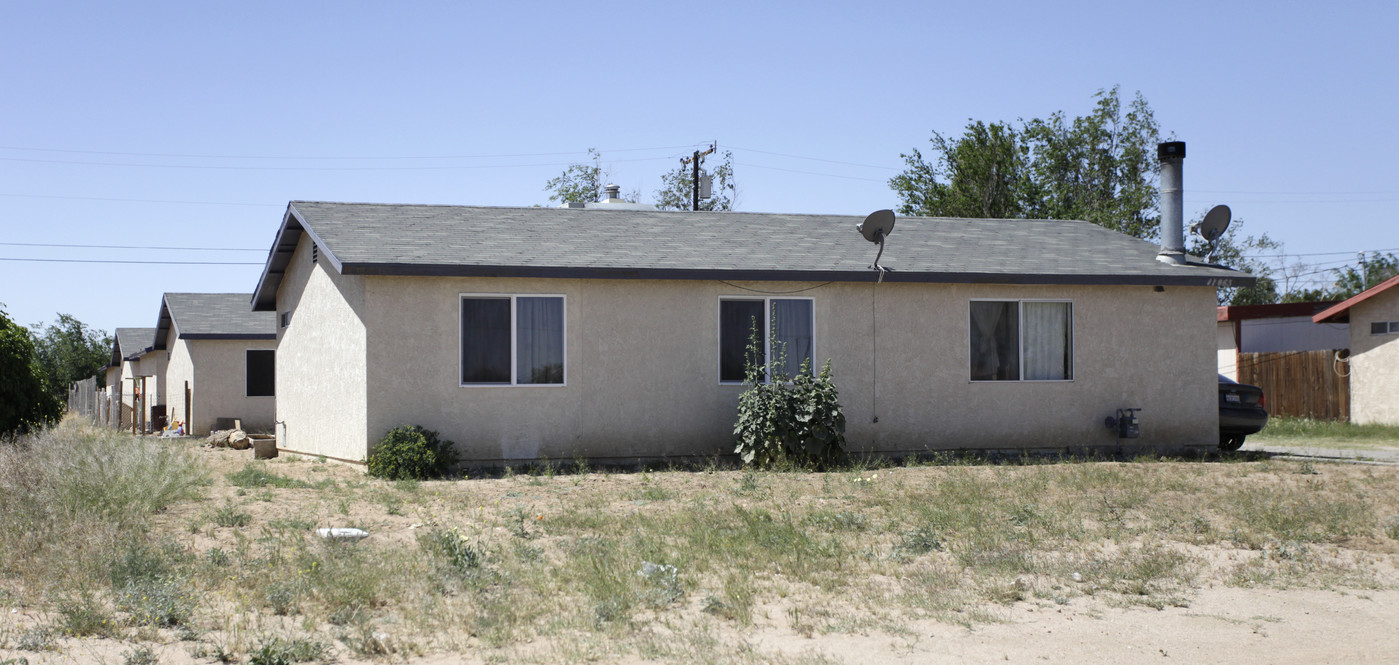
(1285, 255)
(165, 263)
(329, 158)
(107, 198)
(176, 249)
(828, 175)
(817, 159)
(221, 167)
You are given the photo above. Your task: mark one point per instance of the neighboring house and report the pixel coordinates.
(1373, 315)
(134, 377)
(221, 360)
(1274, 328)
(522, 333)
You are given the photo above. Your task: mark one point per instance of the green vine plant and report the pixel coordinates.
(788, 420)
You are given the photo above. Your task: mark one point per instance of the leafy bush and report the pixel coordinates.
(790, 419)
(26, 398)
(411, 452)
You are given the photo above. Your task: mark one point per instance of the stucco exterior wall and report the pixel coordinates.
(219, 385)
(179, 370)
(1374, 362)
(642, 369)
(321, 375)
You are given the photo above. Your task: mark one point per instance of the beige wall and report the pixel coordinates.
(1227, 354)
(643, 378)
(114, 395)
(179, 370)
(219, 385)
(321, 379)
(1374, 362)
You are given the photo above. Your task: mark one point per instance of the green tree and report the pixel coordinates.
(26, 403)
(676, 192)
(1374, 270)
(579, 183)
(68, 350)
(980, 174)
(1101, 167)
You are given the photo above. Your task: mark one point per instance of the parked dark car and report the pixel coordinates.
(1242, 411)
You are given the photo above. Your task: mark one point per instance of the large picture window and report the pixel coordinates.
(512, 340)
(1014, 340)
(261, 372)
(779, 324)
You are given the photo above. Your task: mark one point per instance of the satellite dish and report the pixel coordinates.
(1215, 223)
(878, 224)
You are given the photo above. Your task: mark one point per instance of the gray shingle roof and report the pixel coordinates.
(213, 316)
(362, 238)
(130, 343)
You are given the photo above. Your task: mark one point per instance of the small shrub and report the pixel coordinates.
(452, 545)
(411, 453)
(795, 420)
(162, 602)
(917, 542)
(38, 638)
(139, 656)
(1391, 528)
(229, 516)
(86, 617)
(278, 651)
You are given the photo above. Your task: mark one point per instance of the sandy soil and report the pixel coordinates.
(1217, 624)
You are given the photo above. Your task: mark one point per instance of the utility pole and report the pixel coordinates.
(695, 160)
(1364, 273)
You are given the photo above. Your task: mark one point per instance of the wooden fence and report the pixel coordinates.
(1307, 384)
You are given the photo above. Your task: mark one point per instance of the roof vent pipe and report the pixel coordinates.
(614, 193)
(1172, 203)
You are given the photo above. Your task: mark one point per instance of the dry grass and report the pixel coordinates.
(679, 566)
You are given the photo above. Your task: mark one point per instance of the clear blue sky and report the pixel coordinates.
(191, 124)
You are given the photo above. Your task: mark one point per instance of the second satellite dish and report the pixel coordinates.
(875, 228)
(1214, 225)
(877, 225)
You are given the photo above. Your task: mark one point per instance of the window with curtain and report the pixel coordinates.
(783, 327)
(1021, 341)
(512, 340)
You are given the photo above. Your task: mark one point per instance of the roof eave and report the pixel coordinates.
(1341, 310)
(573, 272)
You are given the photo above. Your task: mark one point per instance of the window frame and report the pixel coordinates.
(514, 340)
(767, 331)
(246, 354)
(1391, 328)
(1020, 332)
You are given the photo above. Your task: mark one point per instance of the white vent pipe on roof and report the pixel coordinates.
(1172, 203)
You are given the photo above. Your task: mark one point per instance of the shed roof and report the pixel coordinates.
(212, 316)
(1271, 311)
(1341, 310)
(390, 239)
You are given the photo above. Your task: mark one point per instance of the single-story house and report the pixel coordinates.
(521, 333)
(221, 360)
(133, 377)
(1373, 315)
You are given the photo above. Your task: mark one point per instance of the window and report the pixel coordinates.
(286, 318)
(779, 324)
(1021, 340)
(261, 367)
(1384, 327)
(512, 340)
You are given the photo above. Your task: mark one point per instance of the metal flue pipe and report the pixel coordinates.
(1172, 202)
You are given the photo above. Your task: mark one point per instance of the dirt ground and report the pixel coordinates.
(1214, 623)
